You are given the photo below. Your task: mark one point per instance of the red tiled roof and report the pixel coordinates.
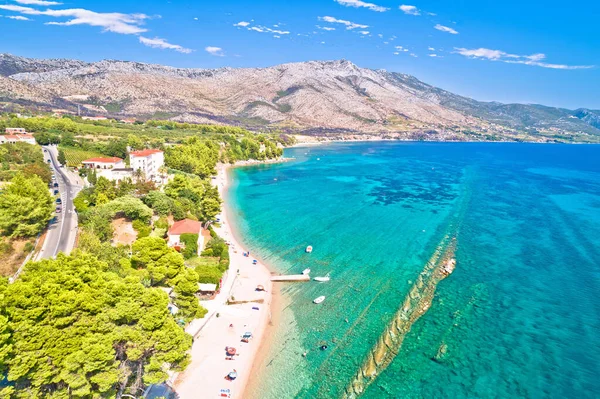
(185, 226)
(144, 153)
(103, 160)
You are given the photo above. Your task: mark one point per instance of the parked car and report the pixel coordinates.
(58, 201)
(55, 192)
(58, 209)
(55, 185)
(48, 161)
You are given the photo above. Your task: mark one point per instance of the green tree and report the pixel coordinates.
(67, 139)
(73, 329)
(161, 262)
(26, 206)
(131, 207)
(62, 159)
(191, 245)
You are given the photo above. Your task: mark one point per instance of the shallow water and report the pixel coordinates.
(519, 317)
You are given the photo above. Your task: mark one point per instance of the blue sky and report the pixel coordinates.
(510, 51)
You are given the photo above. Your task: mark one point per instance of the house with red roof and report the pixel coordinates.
(185, 226)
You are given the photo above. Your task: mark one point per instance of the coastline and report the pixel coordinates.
(251, 313)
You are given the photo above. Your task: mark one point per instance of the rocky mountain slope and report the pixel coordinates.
(334, 96)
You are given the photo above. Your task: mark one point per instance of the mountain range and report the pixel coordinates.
(334, 98)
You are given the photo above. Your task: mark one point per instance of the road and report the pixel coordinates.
(61, 235)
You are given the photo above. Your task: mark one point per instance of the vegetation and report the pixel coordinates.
(26, 206)
(25, 158)
(74, 156)
(191, 245)
(72, 328)
(96, 324)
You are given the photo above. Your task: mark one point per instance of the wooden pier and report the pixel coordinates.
(291, 278)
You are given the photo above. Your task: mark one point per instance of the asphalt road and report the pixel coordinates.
(61, 234)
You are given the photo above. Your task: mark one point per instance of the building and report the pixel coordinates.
(185, 226)
(17, 138)
(104, 163)
(149, 162)
(128, 121)
(94, 118)
(116, 174)
(15, 130)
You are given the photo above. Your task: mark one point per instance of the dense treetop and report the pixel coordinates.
(71, 328)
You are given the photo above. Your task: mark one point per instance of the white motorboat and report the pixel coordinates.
(323, 279)
(306, 271)
(309, 249)
(319, 299)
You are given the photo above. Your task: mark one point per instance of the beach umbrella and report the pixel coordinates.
(233, 375)
(260, 288)
(231, 350)
(247, 334)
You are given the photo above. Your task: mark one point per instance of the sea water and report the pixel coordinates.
(519, 316)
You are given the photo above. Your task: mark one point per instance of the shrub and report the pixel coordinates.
(211, 275)
(28, 247)
(161, 223)
(142, 228)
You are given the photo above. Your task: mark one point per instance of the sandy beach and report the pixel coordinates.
(225, 324)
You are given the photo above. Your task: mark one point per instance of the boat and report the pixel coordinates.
(319, 299)
(323, 279)
(306, 271)
(309, 249)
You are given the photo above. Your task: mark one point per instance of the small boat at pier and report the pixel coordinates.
(306, 271)
(323, 279)
(309, 249)
(319, 299)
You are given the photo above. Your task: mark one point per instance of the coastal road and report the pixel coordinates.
(62, 233)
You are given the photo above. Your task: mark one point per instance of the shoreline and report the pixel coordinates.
(225, 323)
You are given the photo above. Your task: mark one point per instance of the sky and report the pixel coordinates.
(508, 51)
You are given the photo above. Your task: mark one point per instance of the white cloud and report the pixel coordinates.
(446, 29)
(359, 3)
(163, 44)
(243, 24)
(349, 25)
(127, 24)
(414, 55)
(262, 29)
(364, 32)
(37, 2)
(216, 51)
(18, 17)
(433, 55)
(430, 49)
(327, 28)
(502, 56)
(410, 10)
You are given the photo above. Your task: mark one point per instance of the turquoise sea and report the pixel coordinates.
(518, 318)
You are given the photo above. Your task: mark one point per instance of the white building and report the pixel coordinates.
(104, 163)
(148, 161)
(17, 138)
(116, 174)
